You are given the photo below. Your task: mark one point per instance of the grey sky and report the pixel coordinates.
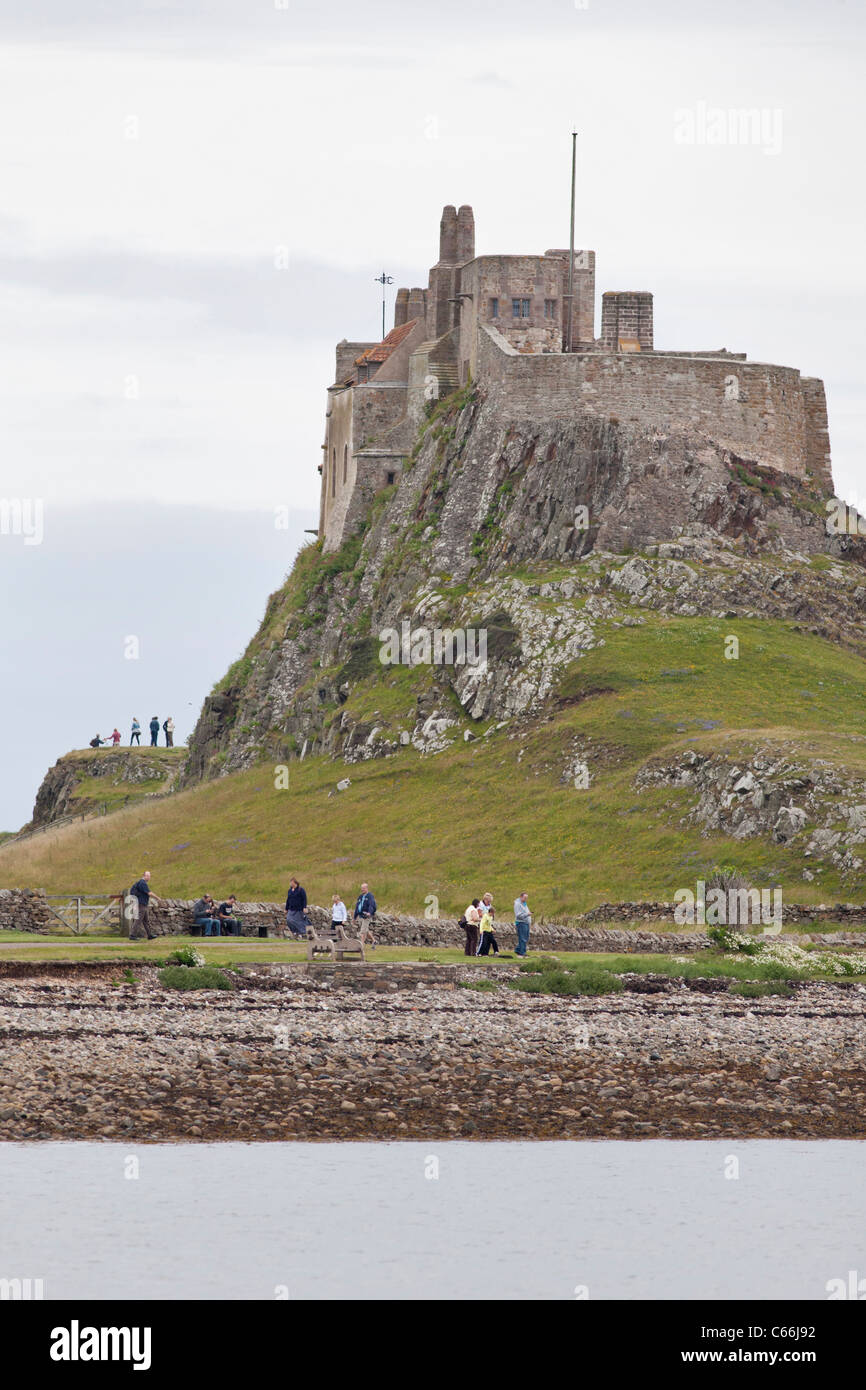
(197, 196)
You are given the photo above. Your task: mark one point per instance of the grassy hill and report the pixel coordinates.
(501, 811)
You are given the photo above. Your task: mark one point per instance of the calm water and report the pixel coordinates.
(655, 1219)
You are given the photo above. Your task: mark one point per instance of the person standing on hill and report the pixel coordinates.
(135, 736)
(154, 731)
(140, 890)
(522, 921)
(115, 737)
(296, 909)
(168, 730)
(365, 914)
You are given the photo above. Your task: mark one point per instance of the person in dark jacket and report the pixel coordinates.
(365, 915)
(204, 914)
(140, 891)
(154, 731)
(296, 908)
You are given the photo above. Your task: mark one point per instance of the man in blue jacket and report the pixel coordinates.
(364, 914)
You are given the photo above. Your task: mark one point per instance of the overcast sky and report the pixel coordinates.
(198, 194)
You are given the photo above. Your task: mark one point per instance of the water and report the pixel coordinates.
(654, 1219)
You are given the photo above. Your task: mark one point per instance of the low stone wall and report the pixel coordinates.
(23, 910)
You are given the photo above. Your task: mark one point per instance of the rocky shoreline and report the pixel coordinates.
(403, 1052)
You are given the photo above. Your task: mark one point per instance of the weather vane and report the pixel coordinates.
(383, 280)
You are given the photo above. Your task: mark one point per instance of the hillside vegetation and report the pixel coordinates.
(502, 812)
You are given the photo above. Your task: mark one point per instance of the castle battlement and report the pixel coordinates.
(507, 321)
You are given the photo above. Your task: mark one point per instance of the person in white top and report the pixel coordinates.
(338, 913)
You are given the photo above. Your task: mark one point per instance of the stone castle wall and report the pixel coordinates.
(766, 413)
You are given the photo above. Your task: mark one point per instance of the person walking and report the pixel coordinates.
(365, 914)
(115, 737)
(154, 731)
(522, 921)
(135, 732)
(140, 891)
(339, 913)
(488, 938)
(296, 909)
(471, 917)
(168, 730)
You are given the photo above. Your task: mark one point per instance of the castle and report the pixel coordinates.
(523, 329)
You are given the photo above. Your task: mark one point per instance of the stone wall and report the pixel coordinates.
(23, 910)
(759, 411)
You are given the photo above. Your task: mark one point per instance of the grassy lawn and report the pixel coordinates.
(496, 813)
(702, 965)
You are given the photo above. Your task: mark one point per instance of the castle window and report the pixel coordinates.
(520, 308)
(494, 308)
(392, 478)
(345, 462)
(550, 308)
(333, 472)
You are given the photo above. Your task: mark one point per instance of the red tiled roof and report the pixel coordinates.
(383, 350)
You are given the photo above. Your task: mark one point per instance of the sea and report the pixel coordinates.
(757, 1219)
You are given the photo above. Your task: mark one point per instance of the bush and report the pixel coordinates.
(533, 964)
(756, 989)
(194, 977)
(584, 979)
(482, 985)
(185, 955)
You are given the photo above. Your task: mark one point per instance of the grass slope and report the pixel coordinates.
(495, 813)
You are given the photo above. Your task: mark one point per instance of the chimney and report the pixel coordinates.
(401, 308)
(417, 306)
(448, 235)
(465, 234)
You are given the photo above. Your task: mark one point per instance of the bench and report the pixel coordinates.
(333, 944)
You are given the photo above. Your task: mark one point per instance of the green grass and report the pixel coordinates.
(476, 818)
(194, 977)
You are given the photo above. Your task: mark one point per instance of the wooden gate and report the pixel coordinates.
(79, 912)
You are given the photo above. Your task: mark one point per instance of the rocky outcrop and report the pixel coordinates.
(481, 500)
(781, 797)
(125, 773)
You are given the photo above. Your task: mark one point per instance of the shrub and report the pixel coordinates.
(194, 977)
(756, 989)
(185, 955)
(484, 986)
(533, 964)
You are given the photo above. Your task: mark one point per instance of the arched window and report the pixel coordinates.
(345, 462)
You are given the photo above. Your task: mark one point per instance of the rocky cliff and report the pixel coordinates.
(104, 779)
(539, 537)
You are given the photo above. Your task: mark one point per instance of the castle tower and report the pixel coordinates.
(456, 247)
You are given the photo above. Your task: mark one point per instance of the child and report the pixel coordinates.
(339, 914)
(486, 926)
